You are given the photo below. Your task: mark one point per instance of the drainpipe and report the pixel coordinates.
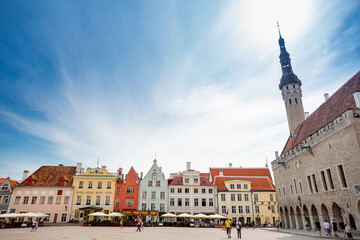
(252, 206)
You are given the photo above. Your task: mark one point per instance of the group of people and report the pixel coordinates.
(334, 226)
(228, 225)
(34, 225)
(140, 226)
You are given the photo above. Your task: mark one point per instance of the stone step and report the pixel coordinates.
(356, 233)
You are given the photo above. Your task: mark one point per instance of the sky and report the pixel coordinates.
(183, 81)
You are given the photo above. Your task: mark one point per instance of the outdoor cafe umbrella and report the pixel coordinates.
(29, 214)
(9, 215)
(216, 216)
(115, 214)
(200, 215)
(185, 215)
(42, 215)
(168, 215)
(98, 214)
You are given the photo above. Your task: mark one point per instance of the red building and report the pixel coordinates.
(127, 191)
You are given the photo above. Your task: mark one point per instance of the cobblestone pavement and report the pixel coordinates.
(309, 233)
(158, 233)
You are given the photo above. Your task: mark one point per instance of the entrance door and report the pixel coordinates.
(55, 217)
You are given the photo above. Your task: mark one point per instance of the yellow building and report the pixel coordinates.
(94, 191)
(250, 198)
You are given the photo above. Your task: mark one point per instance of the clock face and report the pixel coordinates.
(154, 175)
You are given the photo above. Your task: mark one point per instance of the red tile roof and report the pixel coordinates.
(338, 103)
(257, 183)
(50, 176)
(243, 172)
(13, 183)
(178, 181)
(207, 175)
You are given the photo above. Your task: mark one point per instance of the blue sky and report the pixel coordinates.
(192, 81)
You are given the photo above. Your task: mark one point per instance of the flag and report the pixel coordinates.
(227, 212)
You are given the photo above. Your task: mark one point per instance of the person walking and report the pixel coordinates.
(348, 232)
(278, 225)
(121, 223)
(228, 227)
(238, 228)
(327, 228)
(318, 227)
(342, 227)
(334, 227)
(36, 225)
(138, 224)
(142, 225)
(283, 224)
(33, 224)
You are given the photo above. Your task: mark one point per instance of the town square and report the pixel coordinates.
(179, 119)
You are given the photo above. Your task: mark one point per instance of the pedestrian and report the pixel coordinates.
(342, 227)
(121, 223)
(228, 227)
(334, 227)
(253, 224)
(33, 224)
(318, 227)
(348, 232)
(327, 228)
(142, 225)
(36, 224)
(138, 224)
(283, 224)
(238, 228)
(278, 225)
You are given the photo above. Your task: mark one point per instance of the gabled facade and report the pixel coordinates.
(48, 190)
(94, 190)
(127, 192)
(6, 188)
(153, 194)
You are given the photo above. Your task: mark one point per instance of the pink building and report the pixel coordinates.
(48, 190)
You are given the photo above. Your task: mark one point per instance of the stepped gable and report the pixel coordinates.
(244, 172)
(257, 183)
(338, 103)
(50, 176)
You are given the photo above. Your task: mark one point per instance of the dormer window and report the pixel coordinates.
(196, 180)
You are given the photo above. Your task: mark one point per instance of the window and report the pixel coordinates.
(310, 184)
(143, 194)
(246, 196)
(245, 186)
(153, 195)
(179, 202)
(90, 184)
(5, 199)
(130, 190)
(223, 197)
(257, 209)
(238, 186)
(203, 190)
(239, 197)
(98, 200)
(187, 202)
(172, 201)
(256, 197)
(196, 190)
(162, 207)
(210, 190)
(232, 186)
(330, 179)
(186, 190)
(291, 190)
(153, 206)
(162, 195)
(179, 190)
(58, 200)
(186, 180)
(315, 184)
(63, 217)
(322, 173)
(290, 101)
(296, 101)
(211, 202)
(129, 202)
(78, 200)
(117, 189)
(59, 192)
(117, 202)
(150, 183)
(88, 200)
(99, 184)
(196, 180)
(293, 86)
(158, 183)
(342, 176)
(81, 184)
(279, 190)
(233, 209)
(300, 187)
(247, 209)
(272, 209)
(107, 200)
(12, 210)
(50, 199)
(196, 202)
(203, 202)
(284, 191)
(172, 190)
(295, 187)
(17, 200)
(223, 209)
(241, 209)
(232, 197)
(47, 219)
(271, 198)
(143, 206)
(108, 185)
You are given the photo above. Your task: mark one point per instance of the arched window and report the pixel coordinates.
(290, 101)
(296, 101)
(287, 87)
(293, 86)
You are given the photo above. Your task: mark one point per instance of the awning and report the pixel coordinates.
(140, 213)
(91, 207)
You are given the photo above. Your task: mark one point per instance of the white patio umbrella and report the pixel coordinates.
(29, 214)
(42, 214)
(9, 215)
(216, 216)
(185, 215)
(115, 214)
(200, 215)
(168, 215)
(98, 214)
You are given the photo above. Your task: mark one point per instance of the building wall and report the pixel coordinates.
(131, 181)
(5, 196)
(333, 145)
(54, 208)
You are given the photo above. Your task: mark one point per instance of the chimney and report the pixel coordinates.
(326, 96)
(82, 170)
(357, 99)
(276, 154)
(188, 166)
(78, 167)
(221, 172)
(103, 167)
(119, 172)
(141, 175)
(230, 165)
(306, 115)
(25, 175)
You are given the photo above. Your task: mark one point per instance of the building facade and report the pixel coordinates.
(6, 189)
(317, 173)
(153, 193)
(190, 193)
(94, 190)
(48, 190)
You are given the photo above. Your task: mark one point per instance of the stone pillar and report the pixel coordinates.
(291, 225)
(304, 221)
(296, 222)
(312, 220)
